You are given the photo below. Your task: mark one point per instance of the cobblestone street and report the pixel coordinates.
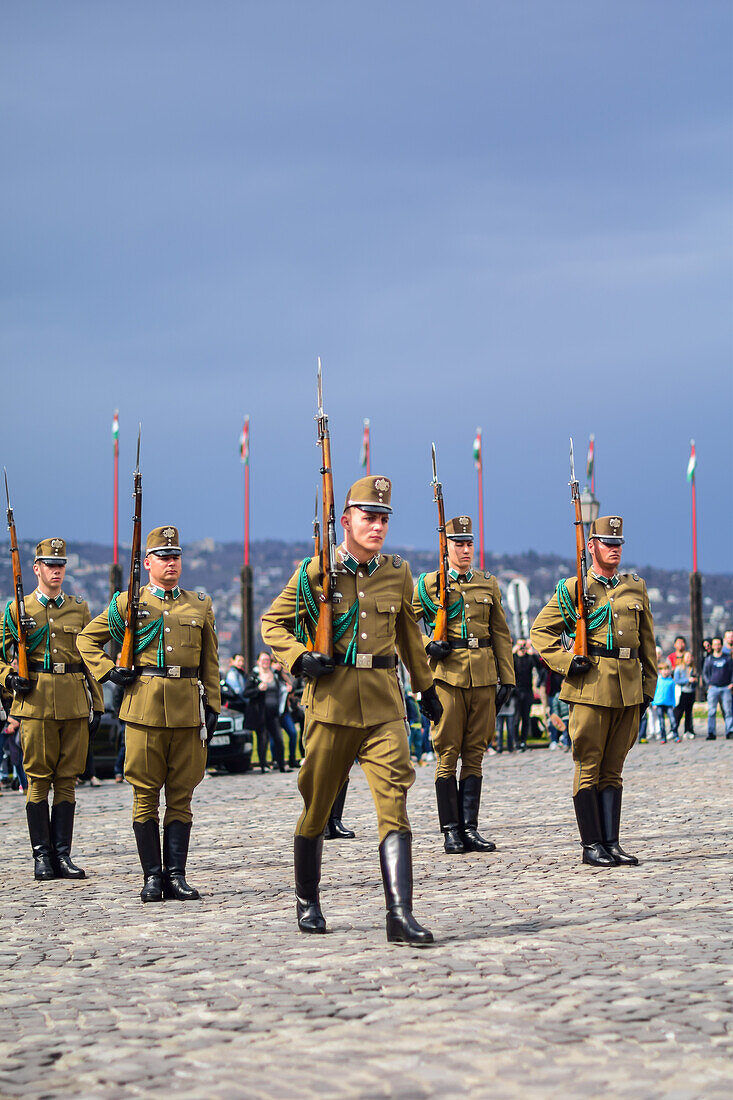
(549, 979)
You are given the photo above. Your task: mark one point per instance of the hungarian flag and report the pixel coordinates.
(590, 459)
(364, 457)
(244, 443)
(477, 449)
(115, 427)
(693, 461)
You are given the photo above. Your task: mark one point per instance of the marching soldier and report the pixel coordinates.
(354, 705)
(171, 702)
(466, 669)
(608, 690)
(57, 707)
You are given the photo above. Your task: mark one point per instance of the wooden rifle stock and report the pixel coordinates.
(440, 630)
(580, 646)
(127, 653)
(22, 620)
(324, 630)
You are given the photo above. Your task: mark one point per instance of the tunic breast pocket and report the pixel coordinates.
(191, 632)
(386, 607)
(482, 608)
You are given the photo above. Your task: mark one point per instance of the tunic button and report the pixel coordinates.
(615, 614)
(361, 574)
(363, 635)
(620, 632)
(361, 594)
(167, 630)
(50, 620)
(166, 612)
(391, 609)
(53, 635)
(193, 622)
(363, 614)
(55, 650)
(169, 648)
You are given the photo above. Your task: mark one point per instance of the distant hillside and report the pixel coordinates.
(215, 567)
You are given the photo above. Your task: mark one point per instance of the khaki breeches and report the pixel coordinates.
(384, 755)
(158, 757)
(467, 726)
(54, 753)
(602, 738)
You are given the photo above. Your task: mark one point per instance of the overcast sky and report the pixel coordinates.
(515, 215)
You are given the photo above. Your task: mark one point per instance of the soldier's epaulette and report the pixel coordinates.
(396, 561)
(487, 574)
(201, 595)
(79, 599)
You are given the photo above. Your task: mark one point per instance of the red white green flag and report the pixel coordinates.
(590, 461)
(477, 459)
(692, 462)
(116, 426)
(364, 456)
(244, 443)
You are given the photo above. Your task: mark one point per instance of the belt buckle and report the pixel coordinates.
(174, 672)
(363, 660)
(473, 643)
(624, 654)
(59, 668)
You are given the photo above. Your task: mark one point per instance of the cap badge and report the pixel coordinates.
(168, 533)
(381, 484)
(464, 521)
(613, 522)
(57, 544)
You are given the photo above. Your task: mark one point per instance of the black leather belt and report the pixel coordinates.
(171, 672)
(58, 668)
(620, 652)
(366, 660)
(469, 643)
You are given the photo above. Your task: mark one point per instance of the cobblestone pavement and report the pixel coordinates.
(549, 979)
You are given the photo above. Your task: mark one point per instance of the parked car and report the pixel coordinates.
(231, 746)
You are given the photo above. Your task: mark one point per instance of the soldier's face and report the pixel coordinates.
(605, 558)
(460, 554)
(364, 532)
(50, 577)
(163, 572)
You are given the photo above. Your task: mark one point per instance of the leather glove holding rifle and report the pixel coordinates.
(431, 705)
(123, 677)
(438, 650)
(313, 665)
(502, 694)
(579, 666)
(210, 720)
(95, 719)
(19, 685)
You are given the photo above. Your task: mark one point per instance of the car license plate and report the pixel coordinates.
(221, 739)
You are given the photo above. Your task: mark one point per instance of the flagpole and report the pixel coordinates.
(116, 494)
(247, 620)
(694, 515)
(246, 490)
(480, 471)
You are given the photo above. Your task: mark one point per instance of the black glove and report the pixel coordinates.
(94, 721)
(210, 720)
(313, 665)
(123, 677)
(502, 694)
(579, 666)
(645, 706)
(438, 650)
(431, 705)
(18, 684)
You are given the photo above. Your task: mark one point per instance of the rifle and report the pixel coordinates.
(316, 554)
(440, 630)
(324, 630)
(24, 621)
(127, 654)
(582, 602)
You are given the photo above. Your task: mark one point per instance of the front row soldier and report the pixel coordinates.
(354, 705)
(608, 691)
(54, 708)
(171, 702)
(466, 669)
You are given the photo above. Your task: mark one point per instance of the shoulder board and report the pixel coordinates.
(201, 595)
(396, 561)
(487, 574)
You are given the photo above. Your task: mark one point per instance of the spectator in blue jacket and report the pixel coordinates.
(717, 673)
(663, 701)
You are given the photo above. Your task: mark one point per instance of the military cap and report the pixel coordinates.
(51, 552)
(608, 529)
(164, 542)
(371, 494)
(459, 528)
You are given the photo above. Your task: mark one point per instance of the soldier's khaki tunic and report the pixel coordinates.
(162, 715)
(466, 680)
(357, 713)
(54, 716)
(605, 702)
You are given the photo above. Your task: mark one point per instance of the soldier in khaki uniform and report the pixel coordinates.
(466, 668)
(354, 705)
(55, 709)
(608, 690)
(171, 702)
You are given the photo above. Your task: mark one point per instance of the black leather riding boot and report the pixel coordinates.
(609, 800)
(39, 829)
(336, 830)
(469, 800)
(446, 794)
(589, 826)
(62, 831)
(395, 860)
(147, 836)
(176, 836)
(308, 852)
